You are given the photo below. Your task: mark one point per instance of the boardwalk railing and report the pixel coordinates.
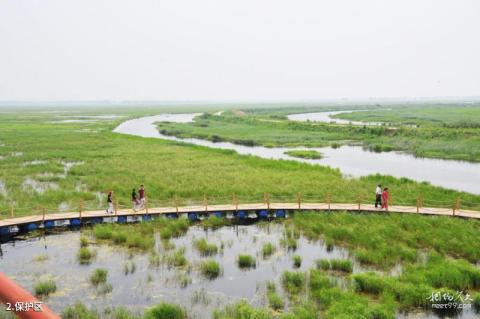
(269, 205)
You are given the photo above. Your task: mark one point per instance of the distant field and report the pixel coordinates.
(35, 153)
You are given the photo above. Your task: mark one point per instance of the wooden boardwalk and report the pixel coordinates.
(201, 209)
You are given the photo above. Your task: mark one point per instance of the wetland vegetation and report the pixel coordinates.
(328, 265)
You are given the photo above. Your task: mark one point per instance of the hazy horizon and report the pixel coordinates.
(247, 51)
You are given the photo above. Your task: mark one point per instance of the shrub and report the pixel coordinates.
(210, 269)
(165, 311)
(98, 276)
(45, 287)
(246, 261)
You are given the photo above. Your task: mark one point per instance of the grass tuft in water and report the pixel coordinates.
(297, 261)
(210, 269)
(205, 248)
(98, 276)
(44, 288)
(165, 311)
(246, 261)
(267, 250)
(293, 281)
(341, 265)
(85, 255)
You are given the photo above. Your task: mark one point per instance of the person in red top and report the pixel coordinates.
(141, 195)
(385, 198)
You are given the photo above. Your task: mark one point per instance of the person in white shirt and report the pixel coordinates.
(378, 196)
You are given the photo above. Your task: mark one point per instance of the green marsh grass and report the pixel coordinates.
(308, 154)
(85, 255)
(267, 250)
(205, 248)
(293, 281)
(245, 261)
(165, 311)
(98, 276)
(43, 288)
(210, 269)
(117, 160)
(275, 301)
(341, 265)
(297, 261)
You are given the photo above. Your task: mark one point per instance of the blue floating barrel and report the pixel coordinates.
(241, 214)
(193, 216)
(122, 219)
(146, 218)
(4, 231)
(218, 214)
(96, 220)
(172, 215)
(49, 224)
(76, 222)
(280, 213)
(263, 213)
(32, 227)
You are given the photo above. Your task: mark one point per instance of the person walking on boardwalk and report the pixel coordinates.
(110, 209)
(378, 196)
(385, 198)
(141, 194)
(134, 199)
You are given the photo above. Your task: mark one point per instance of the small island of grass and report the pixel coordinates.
(310, 154)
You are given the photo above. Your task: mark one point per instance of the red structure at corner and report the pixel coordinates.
(11, 293)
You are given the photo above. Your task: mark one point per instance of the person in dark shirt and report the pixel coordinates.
(134, 199)
(110, 209)
(141, 194)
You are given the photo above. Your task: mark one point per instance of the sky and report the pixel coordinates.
(216, 50)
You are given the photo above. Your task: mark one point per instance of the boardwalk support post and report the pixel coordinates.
(12, 214)
(205, 202)
(359, 201)
(456, 206)
(329, 200)
(418, 205)
(267, 199)
(80, 209)
(116, 207)
(175, 202)
(146, 205)
(235, 201)
(299, 201)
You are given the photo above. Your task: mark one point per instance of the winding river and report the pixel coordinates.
(352, 161)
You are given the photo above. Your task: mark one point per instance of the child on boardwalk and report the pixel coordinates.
(135, 201)
(141, 194)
